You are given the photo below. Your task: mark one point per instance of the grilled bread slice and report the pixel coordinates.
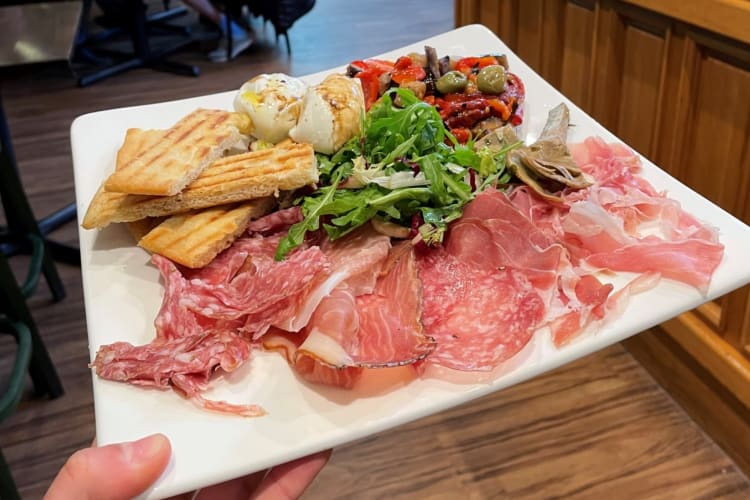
(140, 228)
(136, 141)
(194, 239)
(180, 155)
(232, 179)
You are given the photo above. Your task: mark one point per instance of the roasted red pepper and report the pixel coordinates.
(370, 71)
(466, 110)
(376, 65)
(469, 65)
(370, 86)
(406, 70)
(462, 135)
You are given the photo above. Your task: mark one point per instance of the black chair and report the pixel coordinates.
(282, 14)
(130, 17)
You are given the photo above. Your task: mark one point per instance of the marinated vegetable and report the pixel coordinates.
(474, 95)
(452, 82)
(491, 80)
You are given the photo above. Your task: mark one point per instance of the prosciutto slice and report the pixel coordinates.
(350, 331)
(623, 224)
(493, 234)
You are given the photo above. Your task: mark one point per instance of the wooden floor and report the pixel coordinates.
(598, 427)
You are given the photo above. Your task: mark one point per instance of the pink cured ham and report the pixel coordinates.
(495, 234)
(184, 364)
(390, 330)
(623, 224)
(355, 259)
(209, 316)
(350, 331)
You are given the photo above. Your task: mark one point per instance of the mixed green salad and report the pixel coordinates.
(404, 169)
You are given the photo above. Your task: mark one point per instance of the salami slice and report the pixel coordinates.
(184, 364)
(478, 318)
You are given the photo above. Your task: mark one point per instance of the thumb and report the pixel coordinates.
(113, 472)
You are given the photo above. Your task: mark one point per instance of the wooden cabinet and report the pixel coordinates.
(672, 79)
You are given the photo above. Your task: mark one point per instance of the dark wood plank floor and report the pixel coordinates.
(598, 427)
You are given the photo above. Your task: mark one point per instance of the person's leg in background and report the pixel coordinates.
(241, 38)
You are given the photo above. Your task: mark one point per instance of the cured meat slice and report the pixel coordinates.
(478, 318)
(624, 224)
(356, 259)
(310, 368)
(390, 331)
(379, 329)
(263, 291)
(275, 221)
(493, 234)
(691, 261)
(582, 299)
(349, 332)
(184, 364)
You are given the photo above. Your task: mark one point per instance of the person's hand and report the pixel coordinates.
(125, 470)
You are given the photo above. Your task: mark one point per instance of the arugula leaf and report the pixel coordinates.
(403, 163)
(312, 209)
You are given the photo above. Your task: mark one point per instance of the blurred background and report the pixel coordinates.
(665, 415)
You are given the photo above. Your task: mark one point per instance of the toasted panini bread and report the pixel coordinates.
(136, 141)
(180, 155)
(140, 228)
(228, 180)
(194, 239)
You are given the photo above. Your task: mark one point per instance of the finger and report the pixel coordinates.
(289, 481)
(235, 489)
(113, 472)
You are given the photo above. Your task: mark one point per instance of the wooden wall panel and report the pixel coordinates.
(639, 99)
(577, 46)
(508, 22)
(718, 136)
(530, 41)
(553, 35)
(489, 13)
(606, 65)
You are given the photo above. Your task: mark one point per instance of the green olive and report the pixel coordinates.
(452, 81)
(491, 79)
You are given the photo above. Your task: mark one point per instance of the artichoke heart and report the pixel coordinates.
(545, 166)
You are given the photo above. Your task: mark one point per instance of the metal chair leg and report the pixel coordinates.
(8, 490)
(42, 370)
(18, 211)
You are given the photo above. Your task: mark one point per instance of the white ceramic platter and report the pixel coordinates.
(123, 294)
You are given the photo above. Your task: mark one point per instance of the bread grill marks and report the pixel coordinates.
(228, 180)
(169, 164)
(194, 239)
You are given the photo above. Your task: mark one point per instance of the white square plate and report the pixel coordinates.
(123, 294)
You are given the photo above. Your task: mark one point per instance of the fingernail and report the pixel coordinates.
(143, 449)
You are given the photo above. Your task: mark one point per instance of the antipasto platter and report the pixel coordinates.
(369, 269)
